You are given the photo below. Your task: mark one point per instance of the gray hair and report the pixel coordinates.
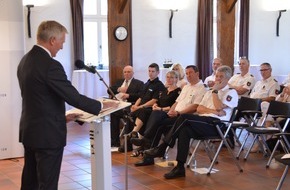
(227, 70)
(49, 29)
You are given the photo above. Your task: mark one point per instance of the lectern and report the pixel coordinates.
(100, 145)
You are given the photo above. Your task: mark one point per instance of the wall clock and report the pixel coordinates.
(121, 33)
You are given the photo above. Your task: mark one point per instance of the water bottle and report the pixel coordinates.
(193, 164)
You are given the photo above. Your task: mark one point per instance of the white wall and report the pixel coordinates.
(264, 45)
(151, 42)
(11, 51)
(60, 11)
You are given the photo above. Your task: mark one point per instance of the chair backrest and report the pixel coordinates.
(279, 108)
(246, 103)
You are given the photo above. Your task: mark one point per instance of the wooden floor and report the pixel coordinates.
(75, 172)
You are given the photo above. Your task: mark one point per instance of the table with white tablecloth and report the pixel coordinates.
(89, 84)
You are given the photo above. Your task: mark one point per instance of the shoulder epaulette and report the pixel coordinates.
(275, 80)
(251, 75)
(238, 73)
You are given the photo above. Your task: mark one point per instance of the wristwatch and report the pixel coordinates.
(215, 91)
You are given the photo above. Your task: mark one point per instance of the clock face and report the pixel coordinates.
(121, 33)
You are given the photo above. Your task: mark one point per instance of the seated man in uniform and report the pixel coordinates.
(217, 104)
(209, 81)
(243, 82)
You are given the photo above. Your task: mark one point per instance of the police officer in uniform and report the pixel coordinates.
(243, 82)
(268, 88)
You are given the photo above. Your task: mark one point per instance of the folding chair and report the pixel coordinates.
(208, 147)
(286, 162)
(249, 109)
(223, 129)
(276, 109)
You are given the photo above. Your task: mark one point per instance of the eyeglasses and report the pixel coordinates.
(261, 70)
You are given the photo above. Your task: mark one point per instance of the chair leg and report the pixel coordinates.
(193, 153)
(273, 152)
(165, 156)
(240, 133)
(209, 148)
(243, 145)
(236, 137)
(219, 149)
(251, 146)
(282, 178)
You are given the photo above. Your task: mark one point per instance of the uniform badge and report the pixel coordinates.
(229, 98)
(248, 83)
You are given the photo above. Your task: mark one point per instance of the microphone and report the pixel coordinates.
(81, 65)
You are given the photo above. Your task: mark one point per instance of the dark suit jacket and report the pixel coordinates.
(44, 90)
(134, 89)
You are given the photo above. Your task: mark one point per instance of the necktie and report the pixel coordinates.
(126, 83)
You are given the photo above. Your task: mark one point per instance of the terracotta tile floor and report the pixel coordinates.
(75, 172)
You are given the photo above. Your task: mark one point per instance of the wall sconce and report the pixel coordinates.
(278, 20)
(170, 21)
(28, 20)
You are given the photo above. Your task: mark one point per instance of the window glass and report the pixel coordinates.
(96, 33)
(104, 7)
(104, 47)
(90, 7)
(91, 43)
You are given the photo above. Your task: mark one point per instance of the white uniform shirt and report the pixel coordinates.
(190, 94)
(209, 78)
(228, 97)
(265, 88)
(247, 81)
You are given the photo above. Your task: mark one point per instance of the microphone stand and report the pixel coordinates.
(126, 113)
(94, 70)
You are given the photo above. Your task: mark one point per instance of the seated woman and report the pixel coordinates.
(165, 101)
(181, 80)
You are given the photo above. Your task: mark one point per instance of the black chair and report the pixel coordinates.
(249, 110)
(286, 162)
(223, 129)
(277, 110)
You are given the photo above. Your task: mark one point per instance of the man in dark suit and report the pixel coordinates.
(126, 89)
(44, 90)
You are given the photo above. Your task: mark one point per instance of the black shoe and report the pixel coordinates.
(144, 142)
(122, 148)
(175, 173)
(145, 162)
(158, 151)
(137, 141)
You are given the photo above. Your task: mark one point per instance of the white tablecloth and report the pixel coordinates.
(89, 84)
